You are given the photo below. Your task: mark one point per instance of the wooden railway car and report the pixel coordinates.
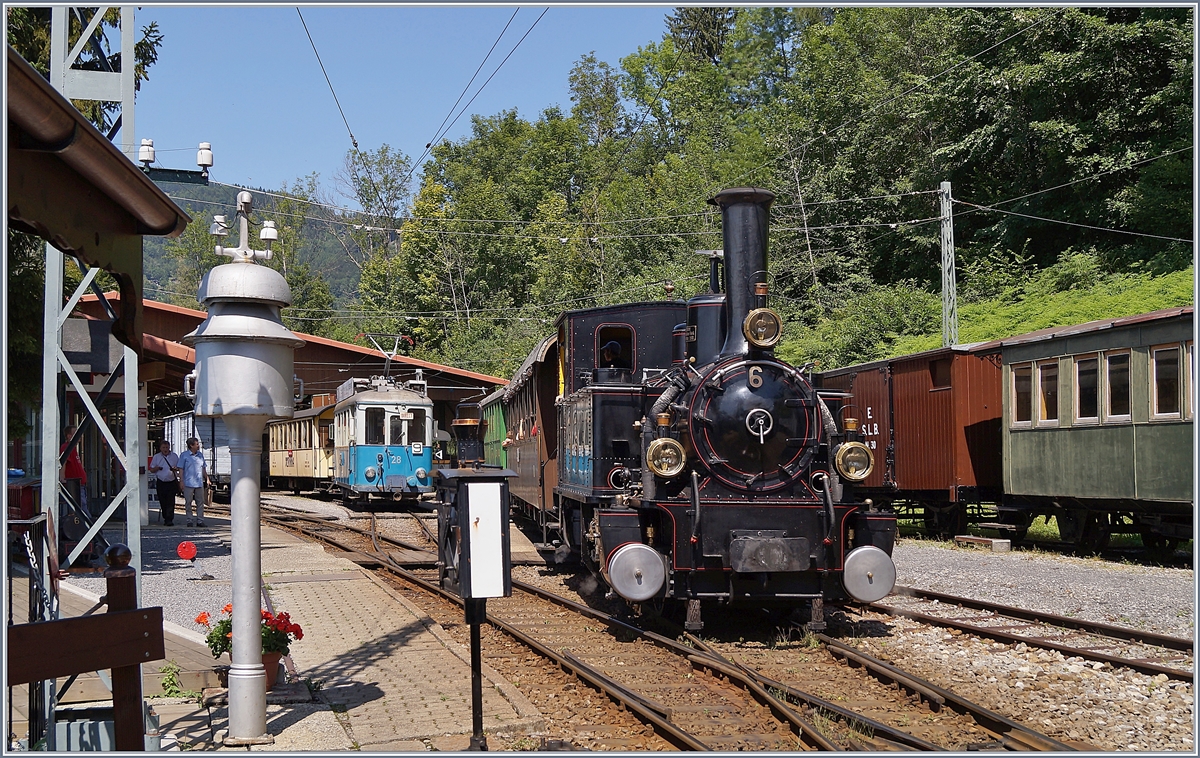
(933, 419)
(1090, 424)
(1098, 427)
(300, 449)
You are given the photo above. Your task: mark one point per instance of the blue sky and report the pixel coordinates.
(246, 80)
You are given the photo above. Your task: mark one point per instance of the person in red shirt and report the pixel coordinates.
(72, 473)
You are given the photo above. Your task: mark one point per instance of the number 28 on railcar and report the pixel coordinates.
(688, 462)
(383, 440)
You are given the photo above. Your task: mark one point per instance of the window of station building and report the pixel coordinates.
(1166, 374)
(1022, 394)
(1087, 389)
(939, 373)
(1048, 393)
(374, 427)
(1116, 387)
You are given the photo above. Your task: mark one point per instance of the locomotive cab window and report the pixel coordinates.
(1022, 395)
(1165, 390)
(622, 335)
(1087, 390)
(1116, 407)
(373, 432)
(1047, 376)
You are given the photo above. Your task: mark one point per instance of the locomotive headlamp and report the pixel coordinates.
(370, 473)
(762, 327)
(665, 457)
(854, 461)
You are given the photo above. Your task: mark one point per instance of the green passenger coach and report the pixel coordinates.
(1097, 427)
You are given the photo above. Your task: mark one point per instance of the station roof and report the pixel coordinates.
(72, 187)
(322, 363)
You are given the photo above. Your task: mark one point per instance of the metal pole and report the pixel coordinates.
(247, 677)
(949, 286)
(476, 613)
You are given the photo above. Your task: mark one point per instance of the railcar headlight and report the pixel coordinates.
(370, 473)
(854, 461)
(665, 457)
(762, 327)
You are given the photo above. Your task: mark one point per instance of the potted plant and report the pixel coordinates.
(278, 632)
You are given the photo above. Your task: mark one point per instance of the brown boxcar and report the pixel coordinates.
(934, 421)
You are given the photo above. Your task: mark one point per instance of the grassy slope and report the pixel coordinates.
(1113, 298)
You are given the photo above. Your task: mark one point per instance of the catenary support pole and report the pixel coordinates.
(949, 286)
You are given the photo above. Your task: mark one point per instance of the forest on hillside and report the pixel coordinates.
(1066, 135)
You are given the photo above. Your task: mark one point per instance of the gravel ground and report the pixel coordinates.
(1144, 597)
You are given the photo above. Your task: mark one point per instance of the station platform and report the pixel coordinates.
(373, 672)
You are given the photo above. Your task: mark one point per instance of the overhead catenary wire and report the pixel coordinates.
(438, 132)
(990, 209)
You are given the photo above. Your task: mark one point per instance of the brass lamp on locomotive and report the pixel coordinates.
(700, 466)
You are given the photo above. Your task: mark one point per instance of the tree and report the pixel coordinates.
(702, 31)
(378, 181)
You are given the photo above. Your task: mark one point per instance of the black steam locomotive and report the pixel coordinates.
(666, 446)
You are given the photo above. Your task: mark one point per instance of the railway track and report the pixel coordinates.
(1146, 652)
(694, 697)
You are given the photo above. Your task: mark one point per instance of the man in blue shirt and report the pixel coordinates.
(195, 480)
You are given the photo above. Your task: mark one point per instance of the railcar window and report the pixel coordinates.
(1048, 392)
(1022, 394)
(939, 373)
(1087, 388)
(1118, 386)
(396, 431)
(1166, 382)
(1190, 388)
(417, 426)
(374, 430)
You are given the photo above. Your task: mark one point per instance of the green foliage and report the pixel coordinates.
(24, 295)
(171, 686)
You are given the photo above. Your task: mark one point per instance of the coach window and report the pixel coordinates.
(1189, 387)
(1087, 390)
(1048, 393)
(396, 429)
(374, 430)
(1166, 374)
(1022, 395)
(1116, 408)
(417, 427)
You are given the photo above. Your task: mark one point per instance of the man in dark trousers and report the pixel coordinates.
(165, 467)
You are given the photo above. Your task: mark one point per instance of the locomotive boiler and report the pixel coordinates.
(669, 449)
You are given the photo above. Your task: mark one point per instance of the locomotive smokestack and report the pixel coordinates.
(468, 428)
(745, 213)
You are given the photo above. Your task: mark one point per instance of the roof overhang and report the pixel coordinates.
(69, 185)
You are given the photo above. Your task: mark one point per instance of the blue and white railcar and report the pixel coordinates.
(383, 435)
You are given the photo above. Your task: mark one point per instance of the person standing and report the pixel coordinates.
(195, 480)
(165, 467)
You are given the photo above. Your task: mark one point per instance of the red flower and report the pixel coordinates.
(228, 608)
(203, 618)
